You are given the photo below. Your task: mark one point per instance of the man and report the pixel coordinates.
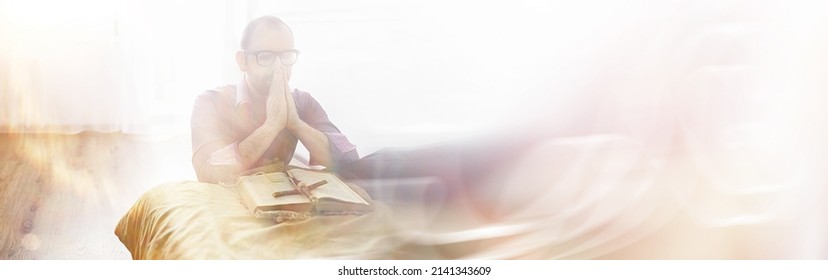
(260, 120)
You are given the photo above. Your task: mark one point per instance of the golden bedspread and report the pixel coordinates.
(193, 220)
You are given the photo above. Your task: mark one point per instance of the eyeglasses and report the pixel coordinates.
(266, 58)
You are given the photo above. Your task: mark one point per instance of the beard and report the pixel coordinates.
(261, 85)
(262, 82)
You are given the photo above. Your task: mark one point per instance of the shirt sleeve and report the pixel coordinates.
(342, 151)
(211, 145)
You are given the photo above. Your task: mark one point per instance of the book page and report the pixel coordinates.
(335, 188)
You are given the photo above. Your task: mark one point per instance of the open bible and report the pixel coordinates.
(300, 191)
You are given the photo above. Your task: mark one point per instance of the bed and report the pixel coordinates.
(554, 216)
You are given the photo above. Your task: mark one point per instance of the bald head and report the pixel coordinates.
(269, 22)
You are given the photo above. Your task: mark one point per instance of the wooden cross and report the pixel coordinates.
(301, 188)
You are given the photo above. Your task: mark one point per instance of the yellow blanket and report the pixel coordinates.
(192, 220)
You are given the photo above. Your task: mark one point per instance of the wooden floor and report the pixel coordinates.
(62, 195)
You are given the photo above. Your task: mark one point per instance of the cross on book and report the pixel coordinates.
(301, 188)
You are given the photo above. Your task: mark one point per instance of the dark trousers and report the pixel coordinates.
(447, 169)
